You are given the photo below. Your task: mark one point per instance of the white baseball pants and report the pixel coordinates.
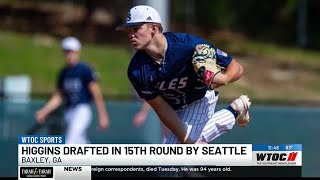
(78, 120)
(201, 120)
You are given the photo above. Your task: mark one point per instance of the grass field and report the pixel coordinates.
(40, 57)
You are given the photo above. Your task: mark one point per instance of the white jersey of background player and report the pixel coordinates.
(162, 73)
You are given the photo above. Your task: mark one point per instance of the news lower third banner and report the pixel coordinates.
(48, 157)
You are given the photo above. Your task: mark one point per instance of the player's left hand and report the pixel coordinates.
(103, 123)
(41, 116)
(139, 118)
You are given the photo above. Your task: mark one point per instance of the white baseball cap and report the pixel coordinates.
(139, 15)
(71, 43)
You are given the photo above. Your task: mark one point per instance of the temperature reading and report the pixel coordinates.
(288, 148)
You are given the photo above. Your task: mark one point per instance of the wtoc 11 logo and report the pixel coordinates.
(285, 158)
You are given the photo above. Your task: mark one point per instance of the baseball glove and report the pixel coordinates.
(204, 63)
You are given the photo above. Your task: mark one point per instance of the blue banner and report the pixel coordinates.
(41, 139)
(276, 147)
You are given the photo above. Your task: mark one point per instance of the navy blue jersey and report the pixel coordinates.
(73, 83)
(174, 79)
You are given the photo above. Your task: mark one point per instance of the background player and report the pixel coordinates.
(162, 73)
(76, 85)
(141, 117)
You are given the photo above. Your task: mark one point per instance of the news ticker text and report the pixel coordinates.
(163, 171)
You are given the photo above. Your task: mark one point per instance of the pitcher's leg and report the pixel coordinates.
(221, 122)
(195, 116)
